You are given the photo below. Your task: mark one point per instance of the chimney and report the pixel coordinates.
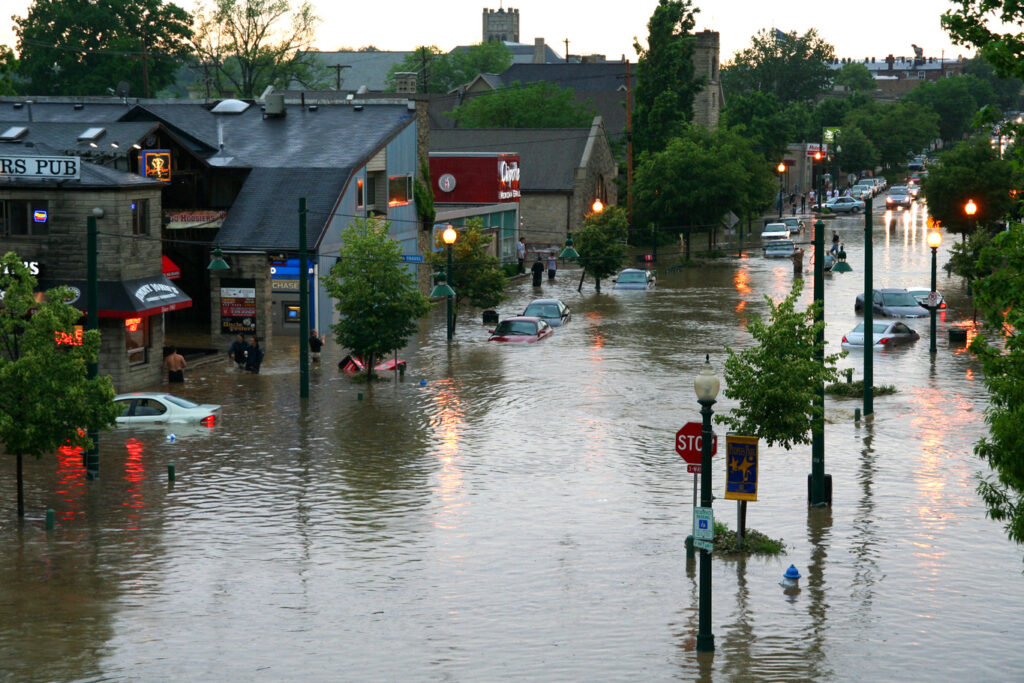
(890, 60)
(539, 53)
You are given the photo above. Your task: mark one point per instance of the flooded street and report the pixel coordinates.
(522, 515)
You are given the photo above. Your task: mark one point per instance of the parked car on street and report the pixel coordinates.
(634, 278)
(779, 249)
(892, 303)
(551, 311)
(844, 204)
(921, 294)
(163, 408)
(521, 329)
(886, 335)
(898, 197)
(794, 224)
(775, 231)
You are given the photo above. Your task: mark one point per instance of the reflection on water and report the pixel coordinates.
(522, 514)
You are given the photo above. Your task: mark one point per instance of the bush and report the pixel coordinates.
(754, 542)
(856, 389)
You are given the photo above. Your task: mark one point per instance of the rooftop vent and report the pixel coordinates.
(19, 105)
(14, 133)
(230, 107)
(313, 107)
(91, 134)
(79, 106)
(274, 106)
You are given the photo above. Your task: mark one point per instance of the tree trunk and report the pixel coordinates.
(597, 284)
(21, 489)
(371, 361)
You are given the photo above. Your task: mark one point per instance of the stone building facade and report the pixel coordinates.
(501, 25)
(708, 103)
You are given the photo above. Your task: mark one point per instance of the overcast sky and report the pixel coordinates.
(607, 27)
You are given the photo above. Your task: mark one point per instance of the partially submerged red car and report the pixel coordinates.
(352, 365)
(522, 329)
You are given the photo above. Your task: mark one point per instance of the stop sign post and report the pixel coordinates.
(689, 442)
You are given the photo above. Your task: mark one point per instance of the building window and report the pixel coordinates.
(24, 217)
(360, 200)
(399, 190)
(921, 75)
(136, 340)
(140, 217)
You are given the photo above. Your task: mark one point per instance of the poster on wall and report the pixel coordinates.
(238, 307)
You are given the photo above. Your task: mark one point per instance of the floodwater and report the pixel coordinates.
(522, 515)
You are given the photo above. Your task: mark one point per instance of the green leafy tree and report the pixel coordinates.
(255, 43)
(790, 66)
(48, 401)
(69, 47)
(666, 84)
(971, 23)
(377, 300)
(699, 177)
(855, 76)
(776, 381)
(1007, 90)
(951, 99)
(601, 243)
(476, 276)
(424, 196)
(441, 72)
(970, 170)
(769, 124)
(538, 105)
(8, 71)
(1000, 348)
(857, 153)
(896, 130)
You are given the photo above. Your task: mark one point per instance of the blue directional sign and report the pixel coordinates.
(741, 467)
(412, 258)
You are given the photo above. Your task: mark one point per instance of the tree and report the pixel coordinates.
(790, 66)
(377, 299)
(770, 125)
(857, 152)
(1007, 90)
(896, 130)
(1000, 297)
(951, 99)
(666, 85)
(68, 47)
(602, 243)
(969, 25)
(441, 72)
(776, 381)
(48, 402)
(699, 177)
(8, 69)
(255, 43)
(476, 276)
(538, 105)
(856, 77)
(970, 170)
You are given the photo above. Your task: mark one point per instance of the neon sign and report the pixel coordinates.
(132, 324)
(73, 338)
(39, 215)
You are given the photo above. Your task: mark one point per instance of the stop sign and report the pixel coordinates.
(689, 442)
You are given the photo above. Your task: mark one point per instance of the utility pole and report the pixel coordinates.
(145, 70)
(423, 61)
(337, 69)
(566, 41)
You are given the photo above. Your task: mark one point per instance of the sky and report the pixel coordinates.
(608, 28)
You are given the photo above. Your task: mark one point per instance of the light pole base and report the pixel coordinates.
(689, 546)
(827, 501)
(706, 643)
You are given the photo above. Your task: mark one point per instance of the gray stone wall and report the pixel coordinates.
(544, 218)
(706, 58)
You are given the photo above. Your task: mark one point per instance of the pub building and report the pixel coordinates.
(45, 204)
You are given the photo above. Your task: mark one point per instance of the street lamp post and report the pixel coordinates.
(970, 208)
(781, 168)
(934, 240)
(706, 387)
(449, 236)
(818, 491)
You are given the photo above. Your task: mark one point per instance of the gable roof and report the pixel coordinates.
(62, 137)
(361, 68)
(548, 157)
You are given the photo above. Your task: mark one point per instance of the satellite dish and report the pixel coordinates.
(122, 89)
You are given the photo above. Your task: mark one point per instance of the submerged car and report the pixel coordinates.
(794, 224)
(775, 231)
(844, 204)
(551, 311)
(779, 249)
(898, 197)
(892, 303)
(634, 278)
(521, 329)
(886, 335)
(163, 408)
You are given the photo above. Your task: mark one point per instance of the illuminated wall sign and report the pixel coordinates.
(475, 178)
(204, 218)
(508, 179)
(39, 215)
(59, 168)
(238, 307)
(156, 164)
(132, 324)
(73, 338)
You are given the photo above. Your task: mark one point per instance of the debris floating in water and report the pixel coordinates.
(423, 382)
(170, 437)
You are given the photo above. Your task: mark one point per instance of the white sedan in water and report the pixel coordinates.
(886, 335)
(163, 408)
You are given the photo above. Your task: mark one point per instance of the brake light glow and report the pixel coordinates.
(208, 421)
(845, 340)
(884, 340)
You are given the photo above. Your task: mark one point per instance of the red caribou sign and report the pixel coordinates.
(475, 178)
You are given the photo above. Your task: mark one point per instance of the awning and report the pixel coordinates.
(128, 299)
(171, 269)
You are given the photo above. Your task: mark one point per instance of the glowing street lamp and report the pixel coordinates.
(781, 168)
(934, 240)
(449, 236)
(597, 206)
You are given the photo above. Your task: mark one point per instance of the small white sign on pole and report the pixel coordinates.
(703, 524)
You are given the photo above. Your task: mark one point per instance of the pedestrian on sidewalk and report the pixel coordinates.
(552, 266)
(316, 343)
(521, 252)
(175, 364)
(803, 203)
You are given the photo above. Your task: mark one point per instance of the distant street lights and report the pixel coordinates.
(706, 387)
(934, 240)
(781, 168)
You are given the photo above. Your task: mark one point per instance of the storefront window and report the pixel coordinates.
(140, 217)
(399, 190)
(136, 340)
(24, 217)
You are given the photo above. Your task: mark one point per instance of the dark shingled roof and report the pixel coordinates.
(265, 214)
(591, 76)
(62, 110)
(57, 138)
(548, 157)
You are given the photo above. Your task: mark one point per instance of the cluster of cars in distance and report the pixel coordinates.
(541, 316)
(892, 303)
